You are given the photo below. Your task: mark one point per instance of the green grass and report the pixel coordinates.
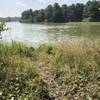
(75, 67)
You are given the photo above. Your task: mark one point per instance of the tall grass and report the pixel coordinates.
(19, 79)
(75, 67)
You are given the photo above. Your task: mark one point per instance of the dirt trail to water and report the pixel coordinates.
(55, 91)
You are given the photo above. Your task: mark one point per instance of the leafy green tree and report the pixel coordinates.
(65, 12)
(72, 12)
(91, 11)
(36, 17)
(30, 17)
(41, 15)
(75, 12)
(96, 16)
(49, 14)
(27, 16)
(79, 12)
(57, 13)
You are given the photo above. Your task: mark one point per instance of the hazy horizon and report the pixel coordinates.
(16, 7)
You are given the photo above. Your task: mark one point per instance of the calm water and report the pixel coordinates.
(36, 34)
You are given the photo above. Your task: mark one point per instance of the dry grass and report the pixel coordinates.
(74, 67)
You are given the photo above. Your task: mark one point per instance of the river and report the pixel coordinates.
(36, 34)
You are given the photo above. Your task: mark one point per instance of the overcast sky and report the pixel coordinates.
(15, 7)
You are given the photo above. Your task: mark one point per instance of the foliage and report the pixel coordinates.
(65, 12)
(19, 79)
(56, 13)
(91, 11)
(11, 19)
(27, 16)
(49, 13)
(2, 25)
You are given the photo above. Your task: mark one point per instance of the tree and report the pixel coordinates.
(79, 12)
(96, 16)
(36, 18)
(72, 13)
(49, 14)
(75, 12)
(91, 12)
(41, 15)
(57, 13)
(27, 16)
(65, 12)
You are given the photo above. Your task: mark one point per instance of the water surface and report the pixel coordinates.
(36, 34)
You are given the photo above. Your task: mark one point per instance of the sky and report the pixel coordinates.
(16, 7)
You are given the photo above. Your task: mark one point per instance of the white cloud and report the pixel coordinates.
(43, 1)
(20, 3)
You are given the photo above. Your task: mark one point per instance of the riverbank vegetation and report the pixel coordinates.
(56, 13)
(50, 72)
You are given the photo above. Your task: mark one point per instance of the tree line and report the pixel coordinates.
(11, 19)
(56, 13)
